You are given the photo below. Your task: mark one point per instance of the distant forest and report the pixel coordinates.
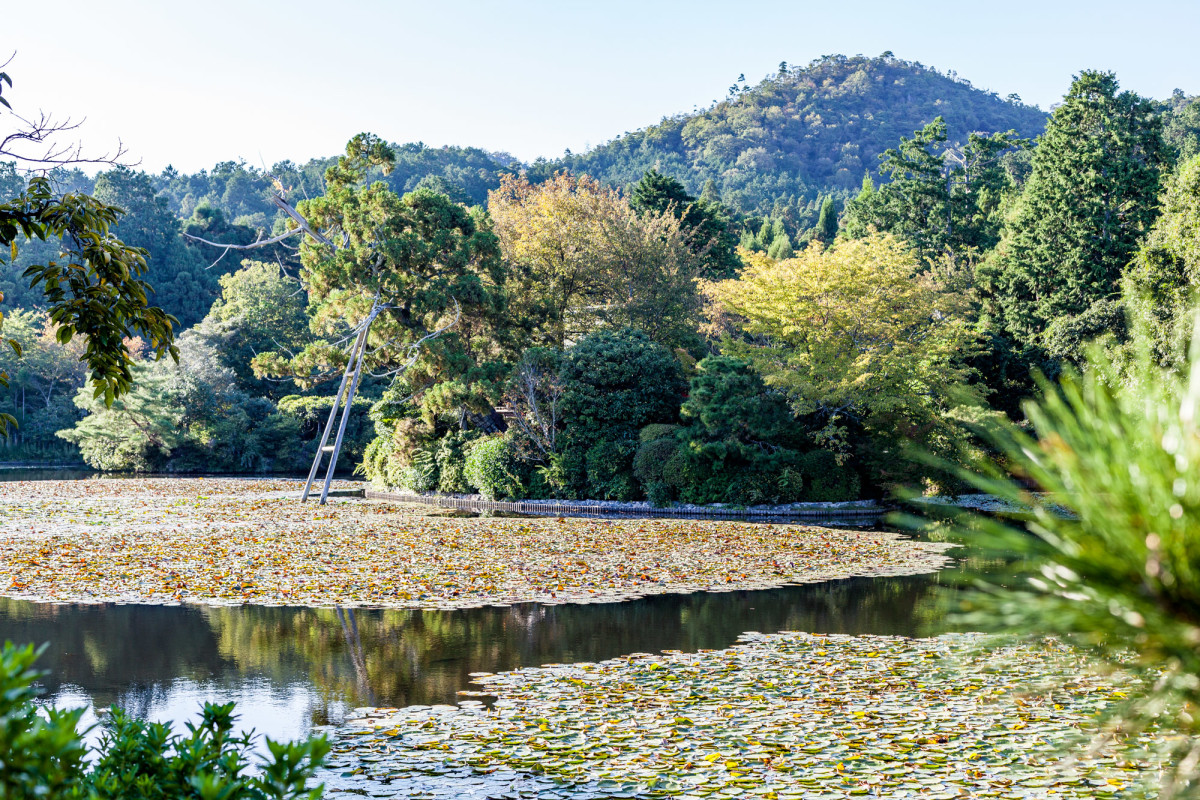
(769, 153)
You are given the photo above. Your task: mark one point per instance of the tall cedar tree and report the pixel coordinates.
(939, 198)
(827, 223)
(1092, 195)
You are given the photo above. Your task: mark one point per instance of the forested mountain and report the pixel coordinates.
(771, 149)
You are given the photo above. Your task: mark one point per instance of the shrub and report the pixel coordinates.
(422, 475)
(651, 459)
(728, 401)
(44, 756)
(825, 481)
(657, 431)
(660, 494)
(741, 445)
(450, 458)
(492, 469)
(615, 383)
(609, 473)
(708, 473)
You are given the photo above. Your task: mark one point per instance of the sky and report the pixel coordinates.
(191, 84)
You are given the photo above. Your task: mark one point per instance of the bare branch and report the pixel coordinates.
(253, 245)
(41, 133)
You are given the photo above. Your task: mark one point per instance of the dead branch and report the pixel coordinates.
(225, 248)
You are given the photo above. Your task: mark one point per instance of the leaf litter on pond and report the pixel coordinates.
(229, 541)
(778, 716)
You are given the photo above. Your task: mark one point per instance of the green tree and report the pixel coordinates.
(1181, 125)
(92, 287)
(138, 431)
(1091, 196)
(260, 309)
(177, 272)
(856, 344)
(617, 382)
(188, 416)
(827, 222)
(1160, 283)
(580, 258)
(707, 224)
(938, 197)
(421, 262)
(42, 382)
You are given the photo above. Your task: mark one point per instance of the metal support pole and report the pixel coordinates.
(351, 366)
(356, 362)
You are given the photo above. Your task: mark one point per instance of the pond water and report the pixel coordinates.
(293, 669)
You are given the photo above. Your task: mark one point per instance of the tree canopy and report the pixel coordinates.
(1092, 195)
(850, 334)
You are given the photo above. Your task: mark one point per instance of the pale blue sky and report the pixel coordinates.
(197, 82)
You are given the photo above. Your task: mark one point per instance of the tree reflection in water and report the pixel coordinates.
(135, 655)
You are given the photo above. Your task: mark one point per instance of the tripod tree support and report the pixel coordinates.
(354, 368)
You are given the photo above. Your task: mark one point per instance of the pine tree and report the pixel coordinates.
(1090, 198)
(706, 221)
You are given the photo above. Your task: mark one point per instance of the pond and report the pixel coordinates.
(293, 669)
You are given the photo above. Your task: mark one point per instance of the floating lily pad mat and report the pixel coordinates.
(788, 715)
(221, 541)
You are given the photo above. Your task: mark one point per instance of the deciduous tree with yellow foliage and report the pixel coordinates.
(858, 339)
(580, 257)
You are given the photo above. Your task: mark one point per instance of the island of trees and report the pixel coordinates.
(770, 300)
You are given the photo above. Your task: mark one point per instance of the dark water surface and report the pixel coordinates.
(290, 669)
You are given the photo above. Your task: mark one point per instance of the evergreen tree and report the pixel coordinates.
(940, 198)
(182, 285)
(1090, 198)
(781, 248)
(658, 192)
(707, 223)
(827, 222)
(1160, 283)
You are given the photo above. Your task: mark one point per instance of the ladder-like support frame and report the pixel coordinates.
(345, 402)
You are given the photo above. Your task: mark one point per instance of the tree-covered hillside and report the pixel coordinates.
(774, 147)
(242, 192)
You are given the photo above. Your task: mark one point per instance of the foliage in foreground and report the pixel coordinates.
(1114, 538)
(45, 757)
(91, 286)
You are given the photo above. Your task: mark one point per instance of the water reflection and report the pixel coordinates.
(293, 668)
